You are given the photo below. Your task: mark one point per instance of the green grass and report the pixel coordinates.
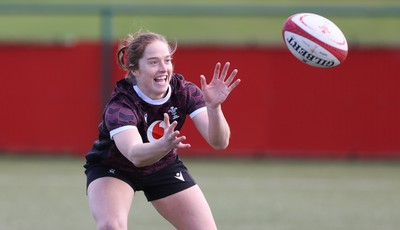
(189, 30)
(376, 2)
(49, 193)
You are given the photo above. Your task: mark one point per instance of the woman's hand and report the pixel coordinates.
(219, 88)
(171, 138)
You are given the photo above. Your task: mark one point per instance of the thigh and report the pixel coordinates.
(187, 209)
(110, 200)
(170, 180)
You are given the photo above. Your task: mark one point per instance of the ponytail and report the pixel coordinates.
(122, 51)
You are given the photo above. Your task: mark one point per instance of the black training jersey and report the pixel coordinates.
(127, 108)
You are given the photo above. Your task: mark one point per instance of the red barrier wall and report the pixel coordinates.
(50, 97)
(282, 108)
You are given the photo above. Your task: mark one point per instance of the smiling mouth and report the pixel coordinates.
(161, 79)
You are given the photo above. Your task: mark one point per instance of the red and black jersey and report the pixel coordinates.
(129, 107)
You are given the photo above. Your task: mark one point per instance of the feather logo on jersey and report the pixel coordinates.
(173, 111)
(155, 130)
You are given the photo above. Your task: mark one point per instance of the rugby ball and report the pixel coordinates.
(315, 40)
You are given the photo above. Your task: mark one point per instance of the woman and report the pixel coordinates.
(139, 137)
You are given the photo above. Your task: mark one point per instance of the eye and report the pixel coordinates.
(153, 62)
(168, 60)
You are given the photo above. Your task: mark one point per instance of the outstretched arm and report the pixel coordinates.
(212, 124)
(130, 144)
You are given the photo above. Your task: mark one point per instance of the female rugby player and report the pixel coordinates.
(139, 137)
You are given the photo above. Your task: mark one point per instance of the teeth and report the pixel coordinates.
(162, 78)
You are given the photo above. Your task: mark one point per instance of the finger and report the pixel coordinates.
(224, 71)
(166, 119)
(179, 144)
(183, 146)
(173, 137)
(171, 128)
(233, 86)
(179, 139)
(203, 81)
(216, 70)
(231, 77)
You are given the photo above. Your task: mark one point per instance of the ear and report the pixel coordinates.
(135, 72)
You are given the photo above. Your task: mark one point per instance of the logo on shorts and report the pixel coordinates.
(179, 176)
(112, 171)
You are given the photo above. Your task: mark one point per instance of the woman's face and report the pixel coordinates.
(155, 70)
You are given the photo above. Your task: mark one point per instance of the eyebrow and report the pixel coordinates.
(168, 56)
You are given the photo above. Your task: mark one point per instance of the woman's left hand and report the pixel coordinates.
(219, 88)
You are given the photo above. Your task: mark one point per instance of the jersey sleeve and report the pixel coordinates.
(195, 99)
(119, 116)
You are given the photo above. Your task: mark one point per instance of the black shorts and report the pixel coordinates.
(169, 180)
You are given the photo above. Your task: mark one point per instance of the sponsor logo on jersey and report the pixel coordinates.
(155, 130)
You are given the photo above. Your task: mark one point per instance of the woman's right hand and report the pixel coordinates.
(171, 138)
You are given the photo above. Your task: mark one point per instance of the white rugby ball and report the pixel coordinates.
(315, 40)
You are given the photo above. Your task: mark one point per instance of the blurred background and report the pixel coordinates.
(310, 148)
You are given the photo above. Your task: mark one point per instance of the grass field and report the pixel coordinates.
(189, 30)
(49, 193)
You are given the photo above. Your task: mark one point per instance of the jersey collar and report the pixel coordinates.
(151, 101)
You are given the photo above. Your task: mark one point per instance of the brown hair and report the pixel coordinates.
(132, 47)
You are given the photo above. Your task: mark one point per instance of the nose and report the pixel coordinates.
(163, 67)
